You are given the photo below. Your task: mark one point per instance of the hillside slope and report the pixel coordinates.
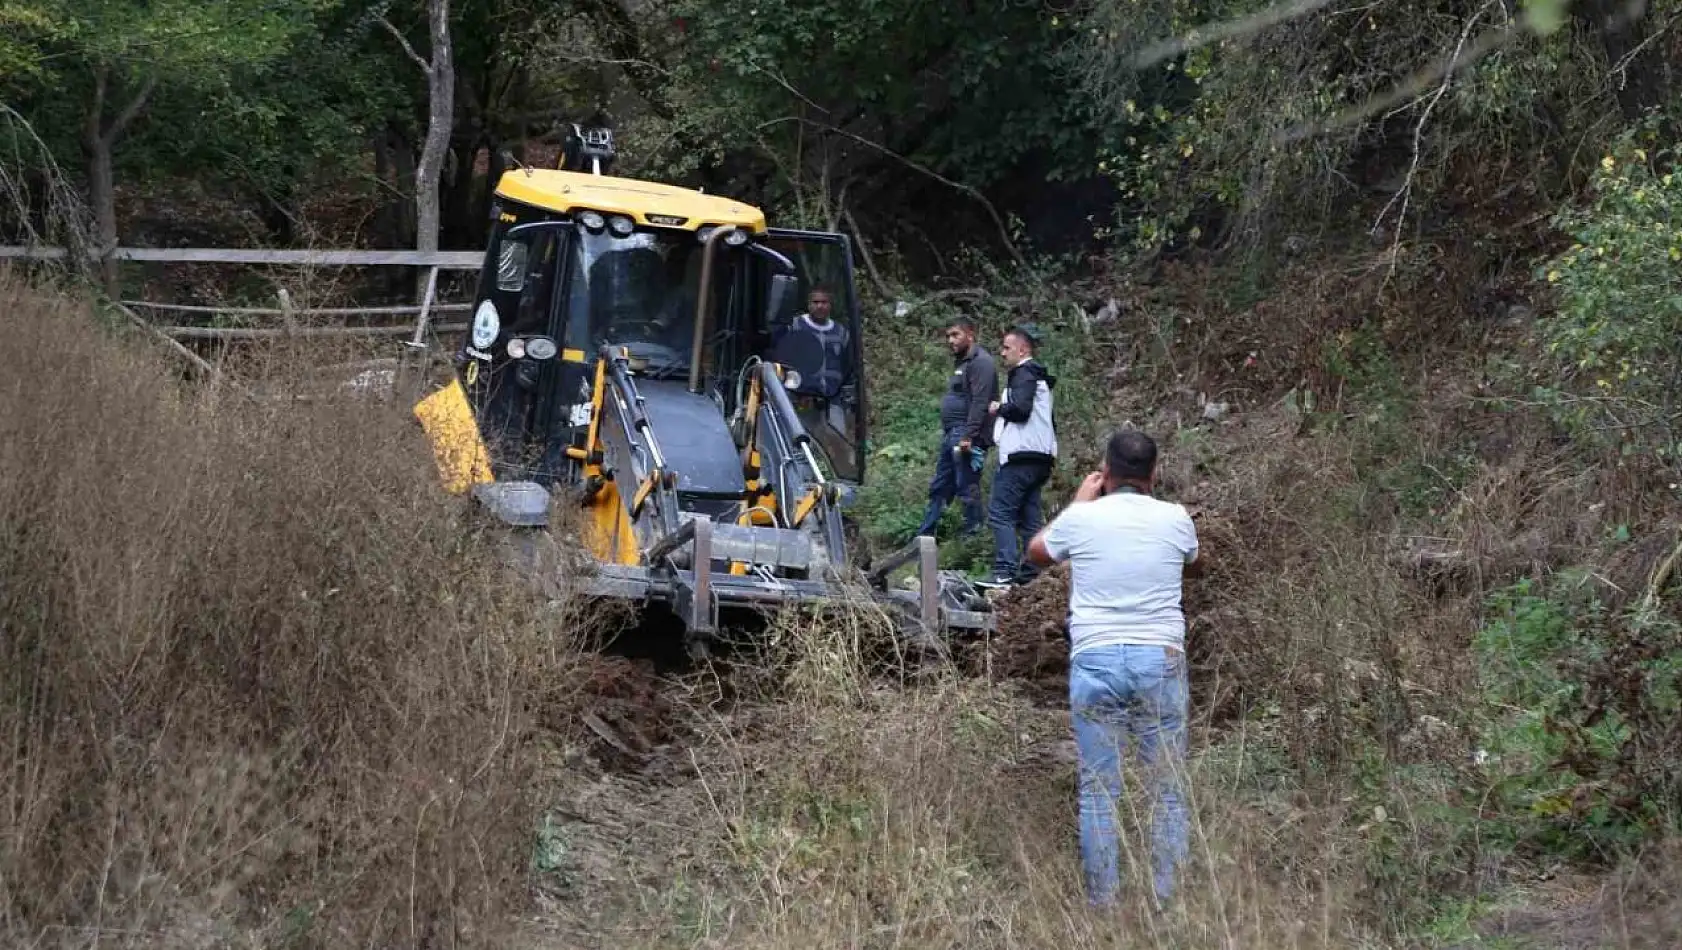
(1415, 580)
(1432, 668)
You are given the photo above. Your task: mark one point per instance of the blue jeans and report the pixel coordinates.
(1119, 693)
(1014, 515)
(952, 480)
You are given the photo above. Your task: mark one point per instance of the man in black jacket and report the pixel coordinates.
(963, 424)
(1027, 441)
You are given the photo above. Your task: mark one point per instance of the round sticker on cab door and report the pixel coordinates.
(486, 323)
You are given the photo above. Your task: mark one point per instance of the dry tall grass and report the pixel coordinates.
(1336, 796)
(833, 809)
(260, 682)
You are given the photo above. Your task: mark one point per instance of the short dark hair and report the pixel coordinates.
(962, 322)
(821, 289)
(1130, 454)
(1026, 335)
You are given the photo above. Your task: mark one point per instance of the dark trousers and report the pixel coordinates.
(952, 479)
(1014, 515)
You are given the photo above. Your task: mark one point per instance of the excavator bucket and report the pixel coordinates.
(936, 606)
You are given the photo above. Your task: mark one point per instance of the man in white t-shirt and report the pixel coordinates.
(1127, 670)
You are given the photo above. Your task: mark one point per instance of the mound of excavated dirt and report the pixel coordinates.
(1030, 643)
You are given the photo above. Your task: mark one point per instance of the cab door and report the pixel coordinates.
(825, 259)
(511, 395)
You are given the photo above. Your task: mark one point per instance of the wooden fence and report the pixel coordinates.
(284, 313)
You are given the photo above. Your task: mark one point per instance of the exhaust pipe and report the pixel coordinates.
(703, 303)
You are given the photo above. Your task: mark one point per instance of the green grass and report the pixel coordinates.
(907, 365)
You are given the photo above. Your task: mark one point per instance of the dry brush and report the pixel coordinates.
(260, 681)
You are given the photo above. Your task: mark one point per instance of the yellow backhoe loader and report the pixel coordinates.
(641, 347)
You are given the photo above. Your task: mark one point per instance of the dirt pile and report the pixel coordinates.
(1030, 643)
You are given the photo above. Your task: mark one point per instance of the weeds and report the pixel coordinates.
(260, 680)
(250, 689)
(1577, 743)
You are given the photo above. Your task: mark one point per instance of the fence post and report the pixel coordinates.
(414, 360)
(288, 319)
(419, 342)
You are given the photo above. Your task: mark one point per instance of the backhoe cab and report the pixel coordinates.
(642, 348)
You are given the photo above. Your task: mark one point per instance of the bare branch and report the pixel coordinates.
(779, 80)
(1415, 86)
(1419, 84)
(584, 59)
(1225, 30)
(970, 190)
(1621, 67)
(864, 253)
(59, 204)
(1405, 193)
(425, 66)
(130, 111)
(1660, 576)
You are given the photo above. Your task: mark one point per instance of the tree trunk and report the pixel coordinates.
(403, 178)
(493, 174)
(385, 219)
(441, 76)
(99, 141)
(399, 210)
(102, 191)
(440, 87)
(459, 211)
(1639, 77)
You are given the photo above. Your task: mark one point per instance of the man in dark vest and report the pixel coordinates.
(818, 347)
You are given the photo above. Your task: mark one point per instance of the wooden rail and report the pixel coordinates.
(281, 333)
(171, 336)
(399, 310)
(443, 260)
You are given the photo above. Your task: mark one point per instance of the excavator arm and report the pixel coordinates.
(781, 457)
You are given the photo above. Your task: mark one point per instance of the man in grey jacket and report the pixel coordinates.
(1027, 441)
(963, 424)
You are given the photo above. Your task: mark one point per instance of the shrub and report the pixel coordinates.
(1576, 705)
(1617, 334)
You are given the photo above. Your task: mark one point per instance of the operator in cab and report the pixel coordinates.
(816, 344)
(819, 348)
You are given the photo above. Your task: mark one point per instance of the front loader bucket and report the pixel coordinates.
(681, 572)
(939, 605)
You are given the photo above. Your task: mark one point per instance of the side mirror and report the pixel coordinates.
(783, 287)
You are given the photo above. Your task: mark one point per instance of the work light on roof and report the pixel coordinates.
(736, 238)
(592, 220)
(621, 225)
